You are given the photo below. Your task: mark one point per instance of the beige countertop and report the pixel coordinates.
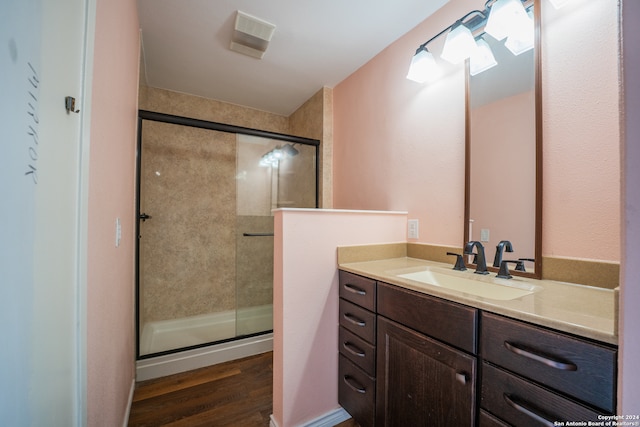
(581, 310)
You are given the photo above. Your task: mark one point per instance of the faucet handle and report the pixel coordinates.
(503, 273)
(520, 266)
(459, 262)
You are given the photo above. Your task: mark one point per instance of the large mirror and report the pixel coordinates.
(503, 156)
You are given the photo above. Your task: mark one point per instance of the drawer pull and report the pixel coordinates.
(557, 364)
(353, 319)
(354, 289)
(353, 384)
(353, 349)
(527, 411)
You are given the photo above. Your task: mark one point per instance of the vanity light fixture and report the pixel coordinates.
(506, 18)
(500, 19)
(423, 66)
(459, 44)
(482, 59)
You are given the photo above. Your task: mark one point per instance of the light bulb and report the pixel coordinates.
(423, 67)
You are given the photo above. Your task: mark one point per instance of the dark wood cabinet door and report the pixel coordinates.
(421, 381)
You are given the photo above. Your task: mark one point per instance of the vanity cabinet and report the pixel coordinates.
(426, 369)
(411, 359)
(357, 347)
(535, 376)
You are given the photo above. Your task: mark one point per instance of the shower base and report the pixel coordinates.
(171, 334)
(174, 334)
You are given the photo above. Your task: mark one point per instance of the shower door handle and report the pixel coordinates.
(144, 217)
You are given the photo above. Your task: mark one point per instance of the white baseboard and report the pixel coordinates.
(329, 419)
(125, 422)
(200, 357)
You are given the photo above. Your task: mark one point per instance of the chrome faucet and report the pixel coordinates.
(504, 245)
(481, 263)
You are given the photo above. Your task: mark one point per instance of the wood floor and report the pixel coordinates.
(234, 394)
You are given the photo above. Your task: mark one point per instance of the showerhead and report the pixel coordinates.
(290, 150)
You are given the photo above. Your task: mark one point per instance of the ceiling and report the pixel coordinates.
(316, 43)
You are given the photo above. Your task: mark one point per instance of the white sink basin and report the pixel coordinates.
(498, 289)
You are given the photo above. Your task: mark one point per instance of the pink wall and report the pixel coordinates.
(400, 145)
(305, 302)
(110, 297)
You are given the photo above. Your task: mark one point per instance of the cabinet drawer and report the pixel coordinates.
(358, 320)
(449, 322)
(582, 369)
(357, 289)
(488, 420)
(356, 392)
(522, 403)
(358, 351)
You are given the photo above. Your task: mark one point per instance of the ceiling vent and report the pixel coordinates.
(251, 35)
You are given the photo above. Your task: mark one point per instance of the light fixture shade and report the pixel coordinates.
(423, 67)
(482, 59)
(459, 44)
(522, 40)
(559, 3)
(505, 18)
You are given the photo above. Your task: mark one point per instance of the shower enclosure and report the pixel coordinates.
(205, 232)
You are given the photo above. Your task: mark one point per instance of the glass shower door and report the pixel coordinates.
(270, 174)
(205, 248)
(187, 196)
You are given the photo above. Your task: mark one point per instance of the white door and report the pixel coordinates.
(41, 238)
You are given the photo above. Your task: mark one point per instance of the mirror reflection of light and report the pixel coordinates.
(559, 3)
(157, 173)
(273, 157)
(482, 59)
(522, 40)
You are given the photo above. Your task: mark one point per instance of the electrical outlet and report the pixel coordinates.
(484, 235)
(412, 229)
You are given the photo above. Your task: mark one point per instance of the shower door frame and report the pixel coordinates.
(215, 126)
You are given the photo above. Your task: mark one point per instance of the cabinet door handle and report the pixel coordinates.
(353, 319)
(557, 364)
(353, 349)
(522, 408)
(353, 384)
(354, 289)
(461, 377)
